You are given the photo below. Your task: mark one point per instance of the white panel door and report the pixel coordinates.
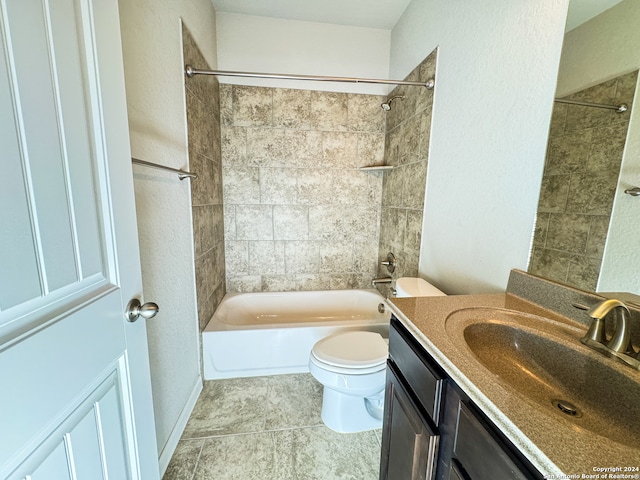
(75, 393)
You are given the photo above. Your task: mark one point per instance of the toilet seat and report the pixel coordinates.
(356, 352)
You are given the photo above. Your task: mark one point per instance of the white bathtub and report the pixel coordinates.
(268, 333)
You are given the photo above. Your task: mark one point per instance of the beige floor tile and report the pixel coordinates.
(269, 428)
(293, 401)
(238, 457)
(318, 453)
(184, 460)
(229, 407)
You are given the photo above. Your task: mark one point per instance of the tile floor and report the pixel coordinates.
(269, 428)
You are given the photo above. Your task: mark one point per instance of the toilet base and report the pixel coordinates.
(346, 413)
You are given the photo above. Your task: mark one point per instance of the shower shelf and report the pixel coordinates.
(376, 168)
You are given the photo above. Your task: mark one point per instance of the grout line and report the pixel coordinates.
(195, 468)
(239, 434)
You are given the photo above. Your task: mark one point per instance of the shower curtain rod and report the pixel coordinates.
(190, 72)
(618, 108)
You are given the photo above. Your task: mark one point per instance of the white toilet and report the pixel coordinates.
(352, 368)
(416, 287)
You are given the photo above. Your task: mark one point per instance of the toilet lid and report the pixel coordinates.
(352, 349)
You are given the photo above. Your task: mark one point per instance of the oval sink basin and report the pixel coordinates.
(543, 362)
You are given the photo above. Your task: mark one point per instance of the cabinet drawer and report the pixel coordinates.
(424, 378)
(479, 454)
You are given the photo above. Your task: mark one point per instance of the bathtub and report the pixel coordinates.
(268, 333)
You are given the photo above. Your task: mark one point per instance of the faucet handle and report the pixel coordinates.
(390, 262)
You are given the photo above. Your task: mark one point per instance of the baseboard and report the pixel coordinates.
(176, 433)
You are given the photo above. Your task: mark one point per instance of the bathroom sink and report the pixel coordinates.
(544, 364)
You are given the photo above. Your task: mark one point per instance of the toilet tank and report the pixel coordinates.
(416, 287)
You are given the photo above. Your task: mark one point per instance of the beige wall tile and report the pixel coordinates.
(205, 158)
(266, 147)
(278, 186)
(304, 148)
(315, 186)
(302, 257)
(306, 282)
(266, 258)
(290, 222)
(236, 257)
(292, 108)
(329, 111)
(226, 104)
(336, 257)
(370, 149)
(340, 149)
(365, 113)
(254, 222)
(245, 283)
(241, 185)
(234, 146)
(252, 106)
(286, 152)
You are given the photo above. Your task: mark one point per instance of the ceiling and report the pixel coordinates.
(581, 11)
(382, 14)
(360, 13)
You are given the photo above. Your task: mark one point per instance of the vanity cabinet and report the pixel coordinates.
(432, 430)
(410, 441)
(472, 448)
(410, 437)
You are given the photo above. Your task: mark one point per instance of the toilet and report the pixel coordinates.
(352, 368)
(416, 287)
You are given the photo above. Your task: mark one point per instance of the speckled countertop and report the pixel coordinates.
(555, 445)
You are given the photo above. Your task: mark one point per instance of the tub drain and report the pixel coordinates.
(567, 408)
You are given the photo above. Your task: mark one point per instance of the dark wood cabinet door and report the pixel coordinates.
(409, 442)
(470, 447)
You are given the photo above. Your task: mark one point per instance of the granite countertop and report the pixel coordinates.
(556, 446)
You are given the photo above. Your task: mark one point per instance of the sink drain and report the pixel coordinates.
(567, 408)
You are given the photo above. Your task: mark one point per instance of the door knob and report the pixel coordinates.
(136, 310)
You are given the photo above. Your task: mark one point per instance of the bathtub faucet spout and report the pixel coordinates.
(379, 280)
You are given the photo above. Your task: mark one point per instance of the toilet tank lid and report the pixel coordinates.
(416, 287)
(352, 349)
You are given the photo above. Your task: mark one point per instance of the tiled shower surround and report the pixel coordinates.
(298, 213)
(579, 183)
(203, 124)
(408, 127)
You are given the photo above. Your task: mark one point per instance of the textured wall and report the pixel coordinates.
(265, 44)
(152, 50)
(579, 184)
(497, 69)
(408, 128)
(205, 158)
(299, 215)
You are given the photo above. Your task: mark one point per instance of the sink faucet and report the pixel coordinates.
(619, 345)
(620, 341)
(379, 280)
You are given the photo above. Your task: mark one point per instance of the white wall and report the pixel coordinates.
(152, 47)
(495, 81)
(274, 45)
(601, 49)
